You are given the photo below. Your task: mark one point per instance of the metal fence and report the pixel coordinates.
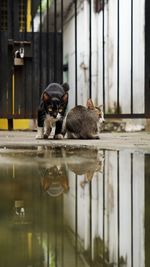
(31, 55)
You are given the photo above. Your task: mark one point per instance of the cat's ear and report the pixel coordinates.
(65, 87)
(101, 107)
(65, 98)
(45, 97)
(89, 104)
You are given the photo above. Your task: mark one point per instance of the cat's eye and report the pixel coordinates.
(50, 109)
(60, 110)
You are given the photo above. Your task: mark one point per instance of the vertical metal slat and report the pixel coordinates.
(104, 212)
(32, 38)
(103, 53)
(25, 70)
(47, 42)
(40, 49)
(118, 207)
(131, 57)
(55, 40)
(132, 210)
(62, 22)
(90, 218)
(76, 92)
(76, 219)
(118, 55)
(90, 49)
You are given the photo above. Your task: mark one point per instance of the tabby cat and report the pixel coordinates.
(83, 122)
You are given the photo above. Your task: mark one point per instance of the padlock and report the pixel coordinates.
(21, 52)
(18, 61)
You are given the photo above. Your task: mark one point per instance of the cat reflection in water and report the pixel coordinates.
(54, 173)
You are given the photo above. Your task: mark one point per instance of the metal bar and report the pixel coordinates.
(10, 18)
(56, 231)
(103, 53)
(76, 220)
(131, 56)
(107, 116)
(62, 23)
(76, 92)
(0, 17)
(47, 42)
(55, 40)
(13, 94)
(25, 70)
(132, 210)
(62, 241)
(90, 49)
(146, 214)
(118, 207)
(124, 116)
(147, 59)
(118, 54)
(25, 18)
(90, 217)
(40, 48)
(29, 17)
(16, 18)
(48, 234)
(104, 212)
(1, 49)
(41, 223)
(32, 23)
(11, 11)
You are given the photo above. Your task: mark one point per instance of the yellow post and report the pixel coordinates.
(13, 94)
(28, 15)
(3, 124)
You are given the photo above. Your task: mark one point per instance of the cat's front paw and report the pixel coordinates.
(95, 136)
(45, 136)
(39, 136)
(40, 133)
(58, 136)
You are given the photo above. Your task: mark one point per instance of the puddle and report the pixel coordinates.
(74, 208)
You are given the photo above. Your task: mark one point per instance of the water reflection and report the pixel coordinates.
(55, 173)
(74, 208)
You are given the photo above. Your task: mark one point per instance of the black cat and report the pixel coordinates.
(51, 110)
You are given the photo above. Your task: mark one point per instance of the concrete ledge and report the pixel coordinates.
(26, 139)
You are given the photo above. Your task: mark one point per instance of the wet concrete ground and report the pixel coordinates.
(132, 140)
